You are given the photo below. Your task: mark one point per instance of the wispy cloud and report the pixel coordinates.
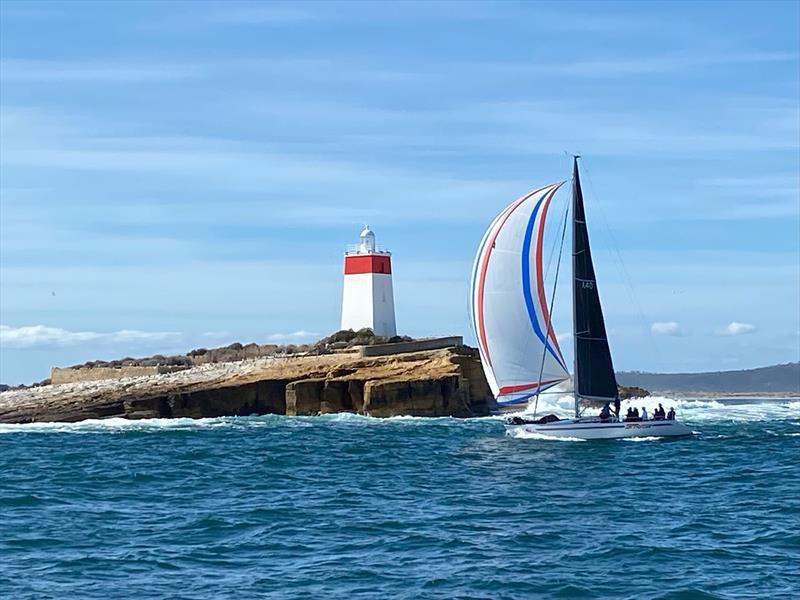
(736, 328)
(43, 71)
(750, 197)
(668, 328)
(31, 336)
(260, 13)
(683, 63)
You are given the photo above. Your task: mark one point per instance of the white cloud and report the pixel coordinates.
(736, 328)
(295, 336)
(48, 71)
(658, 64)
(666, 328)
(31, 336)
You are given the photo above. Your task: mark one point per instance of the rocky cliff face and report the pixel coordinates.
(434, 383)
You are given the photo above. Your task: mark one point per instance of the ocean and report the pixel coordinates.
(344, 506)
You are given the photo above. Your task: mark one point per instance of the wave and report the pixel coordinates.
(116, 424)
(122, 425)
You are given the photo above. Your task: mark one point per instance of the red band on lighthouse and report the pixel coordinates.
(370, 263)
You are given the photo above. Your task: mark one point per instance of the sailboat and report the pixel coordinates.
(519, 350)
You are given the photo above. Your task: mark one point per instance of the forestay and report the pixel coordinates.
(519, 350)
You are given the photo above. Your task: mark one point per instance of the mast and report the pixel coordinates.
(594, 376)
(575, 192)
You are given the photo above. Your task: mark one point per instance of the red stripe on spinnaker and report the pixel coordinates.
(512, 389)
(540, 276)
(485, 262)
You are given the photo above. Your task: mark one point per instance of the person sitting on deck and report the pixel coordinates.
(636, 414)
(644, 414)
(605, 414)
(671, 414)
(629, 414)
(659, 413)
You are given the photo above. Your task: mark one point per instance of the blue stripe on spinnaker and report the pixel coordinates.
(515, 400)
(526, 282)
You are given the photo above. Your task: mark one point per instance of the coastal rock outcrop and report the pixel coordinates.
(444, 382)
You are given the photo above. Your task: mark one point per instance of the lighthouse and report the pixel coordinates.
(368, 300)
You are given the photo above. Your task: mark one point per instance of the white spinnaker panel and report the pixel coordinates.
(509, 302)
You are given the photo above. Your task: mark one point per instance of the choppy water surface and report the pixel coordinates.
(351, 507)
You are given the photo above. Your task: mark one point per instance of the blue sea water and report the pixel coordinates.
(344, 506)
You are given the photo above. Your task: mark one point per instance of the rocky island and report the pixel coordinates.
(441, 381)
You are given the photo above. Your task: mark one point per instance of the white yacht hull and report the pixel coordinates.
(596, 430)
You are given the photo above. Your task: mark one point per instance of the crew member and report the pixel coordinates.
(671, 413)
(644, 414)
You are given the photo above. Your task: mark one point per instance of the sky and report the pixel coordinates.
(187, 174)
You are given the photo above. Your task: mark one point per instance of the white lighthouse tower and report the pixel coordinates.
(368, 300)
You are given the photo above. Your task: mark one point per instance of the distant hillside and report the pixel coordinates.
(777, 378)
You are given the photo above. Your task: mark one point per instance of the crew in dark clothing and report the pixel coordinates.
(616, 407)
(659, 413)
(629, 416)
(605, 414)
(671, 414)
(635, 414)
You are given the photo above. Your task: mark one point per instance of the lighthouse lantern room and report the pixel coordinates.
(368, 299)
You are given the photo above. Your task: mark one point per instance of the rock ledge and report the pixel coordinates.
(447, 382)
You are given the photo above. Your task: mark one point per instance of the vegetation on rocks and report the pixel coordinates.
(341, 340)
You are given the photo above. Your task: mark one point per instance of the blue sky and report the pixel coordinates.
(186, 174)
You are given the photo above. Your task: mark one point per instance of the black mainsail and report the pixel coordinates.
(594, 377)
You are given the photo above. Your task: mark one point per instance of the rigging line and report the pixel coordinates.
(629, 284)
(552, 304)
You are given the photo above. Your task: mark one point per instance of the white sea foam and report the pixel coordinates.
(530, 435)
(117, 424)
(649, 438)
